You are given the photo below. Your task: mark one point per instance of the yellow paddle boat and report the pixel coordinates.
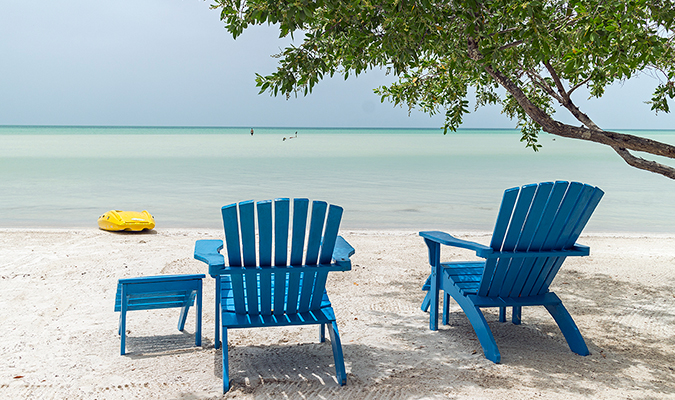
(116, 220)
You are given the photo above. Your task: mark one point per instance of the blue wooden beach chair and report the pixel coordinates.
(267, 287)
(536, 229)
(154, 292)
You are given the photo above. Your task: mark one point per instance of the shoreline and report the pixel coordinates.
(60, 340)
(395, 231)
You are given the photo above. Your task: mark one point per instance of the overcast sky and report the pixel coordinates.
(172, 63)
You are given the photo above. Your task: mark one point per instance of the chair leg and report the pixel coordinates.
(434, 291)
(119, 325)
(184, 311)
(426, 302)
(123, 331)
(568, 328)
(198, 321)
(226, 364)
(340, 372)
(517, 315)
(123, 320)
(217, 333)
(446, 308)
(502, 314)
(480, 326)
(322, 333)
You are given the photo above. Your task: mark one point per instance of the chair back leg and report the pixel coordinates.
(198, 317)
(123, 320)
(340, 373)
(226, 363)
(568, 328)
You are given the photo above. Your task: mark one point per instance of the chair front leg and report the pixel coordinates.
(217, 338)
(198, 322)
(434, 260)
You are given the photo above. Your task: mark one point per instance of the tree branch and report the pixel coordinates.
(577, 86)
(512, 44)
(643, 164)
(620, 142)
(567, 101)
(539, 81)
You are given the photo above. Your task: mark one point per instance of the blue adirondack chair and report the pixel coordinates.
(273, 289)
(154, 292)
(536, 229)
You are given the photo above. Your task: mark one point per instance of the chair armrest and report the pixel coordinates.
(161, 278)
(342, 252)
(208, 251)
(449, 240)
(576, 250)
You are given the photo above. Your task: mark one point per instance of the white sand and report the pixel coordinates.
(59, 330)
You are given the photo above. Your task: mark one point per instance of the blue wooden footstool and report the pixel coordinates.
(154, 292)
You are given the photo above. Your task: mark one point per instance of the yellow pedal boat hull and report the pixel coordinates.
(116, 220)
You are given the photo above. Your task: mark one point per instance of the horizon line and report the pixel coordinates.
(277, 127)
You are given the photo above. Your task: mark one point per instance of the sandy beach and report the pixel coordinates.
(59, 331)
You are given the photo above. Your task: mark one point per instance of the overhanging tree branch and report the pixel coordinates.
(620, 142)
(591, 43)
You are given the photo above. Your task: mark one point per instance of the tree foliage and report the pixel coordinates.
(540, 52)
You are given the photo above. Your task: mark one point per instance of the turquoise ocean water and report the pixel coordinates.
(412, 179)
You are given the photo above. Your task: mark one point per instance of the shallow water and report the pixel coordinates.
(385, 179)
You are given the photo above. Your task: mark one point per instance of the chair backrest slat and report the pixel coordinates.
(306, 290)
(293, 290)
(266, 300)
(265, 254)
(238, 293)
(247, 223)
(589, 206)
(567, 206)
(251, 284)
(300, 208)
(503, 218)
(281, 214)
(518, 217)
(549, 214)
(330, 235)
(231, 226)
(265, 233)
(279, 294)
(534, 216)
(539, 217)
(315, 232)
(317, 297)
(547, 275)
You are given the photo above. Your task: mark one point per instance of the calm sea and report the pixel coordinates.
(412, 179)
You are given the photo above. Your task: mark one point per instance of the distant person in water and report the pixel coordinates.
(290, 137)
(251, 131)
